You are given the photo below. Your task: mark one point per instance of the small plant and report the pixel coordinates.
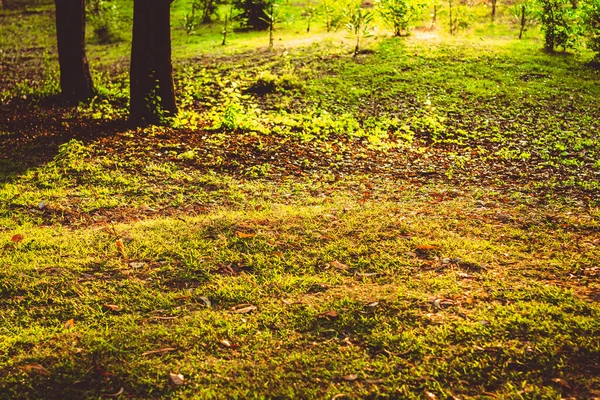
(192, 20)
(226, 15)
(359, 25)
(309, 14)
(459, 15)
(272, 18)
(399, 14)
(525, 14)
(333, 15)
(558, 23)
(104, 18)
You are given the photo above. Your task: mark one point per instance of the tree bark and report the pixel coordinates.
(75, 80)
(151, 72)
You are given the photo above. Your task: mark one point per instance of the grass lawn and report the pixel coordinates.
(421, 221)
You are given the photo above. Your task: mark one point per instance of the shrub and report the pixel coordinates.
(558, 20)
(399, 14)
(104, 18)
(591, 18)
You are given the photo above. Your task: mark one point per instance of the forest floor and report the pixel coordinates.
(422, 220)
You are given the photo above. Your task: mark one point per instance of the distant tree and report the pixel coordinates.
(493, 2)
(253, 13)
(151, 74)
(75, 79)
(333, 14)
(525, 14)
(273, 18)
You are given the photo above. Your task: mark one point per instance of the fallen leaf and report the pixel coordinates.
(350, 377)
(244, 235)
(206, 301)
(338, 265)
(563, 383)
(426, 247)
(69, 324)
(120, 247)
(177, 379)
(329, 314)
(35, 368)
(17, 238)
(112, 307)
(159, 351)
(245, 310)
(374, 381)
(226, 343)
(137, 265)
(42, 204)
(430, 395)
(117, 394)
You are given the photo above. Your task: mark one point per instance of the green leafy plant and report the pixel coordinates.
(309, 13)
(591, 18)
(272, 18)
(400, 14)
(558, 19)
(359, 25)
(525, 14)
(333, 14)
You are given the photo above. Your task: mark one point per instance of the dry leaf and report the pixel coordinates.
(159, 351)
(329, 314)
(112, 307)
(177, 379)
(205, 300)
(430, 396)
(226, 343)
(563, 383)
(17, 238)
(37, 368)
(374, 381)
(426, 247)
(117, 394)
(350, 377)
(69, 324)
(243, 235)
(137, 265)
(120, 247)
(245, 310)
(338, 265)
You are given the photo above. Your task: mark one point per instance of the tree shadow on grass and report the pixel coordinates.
(31, 131)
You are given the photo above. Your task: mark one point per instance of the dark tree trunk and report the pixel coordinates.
(75, 79)
(151, 72)
(493, 10)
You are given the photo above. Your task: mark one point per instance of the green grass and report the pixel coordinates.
(419, 221)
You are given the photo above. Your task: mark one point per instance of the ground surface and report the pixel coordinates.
(421, 221)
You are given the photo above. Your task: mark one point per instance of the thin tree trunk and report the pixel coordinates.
(451, 21)
(522, 21)
(75, 78)
(271, 22)
(151, 72)
(493, 10)
(434, 16)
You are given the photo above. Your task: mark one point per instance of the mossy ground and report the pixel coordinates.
(419, 221)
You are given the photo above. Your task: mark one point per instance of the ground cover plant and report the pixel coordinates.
(416, 219)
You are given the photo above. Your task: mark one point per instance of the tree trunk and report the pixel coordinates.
(493, 10)
(151, 71)
(75, 79)
(523, 21)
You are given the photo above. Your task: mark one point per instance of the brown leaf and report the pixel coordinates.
(338, 265)
(430, 396)
(70, 323)
(226, 343)
(563, 383)
(244, 235)
(35, 368)
(374, 381)
(350, 377)
(17, 238)
(244, 310)
(159, 351)
(121, 247)
(426, 247)
(177, 379)
(329, 314)
(112, 307)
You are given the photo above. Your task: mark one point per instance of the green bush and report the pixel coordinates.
(104, 18)
(558, 19)
(400, 14)
(591, 17)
